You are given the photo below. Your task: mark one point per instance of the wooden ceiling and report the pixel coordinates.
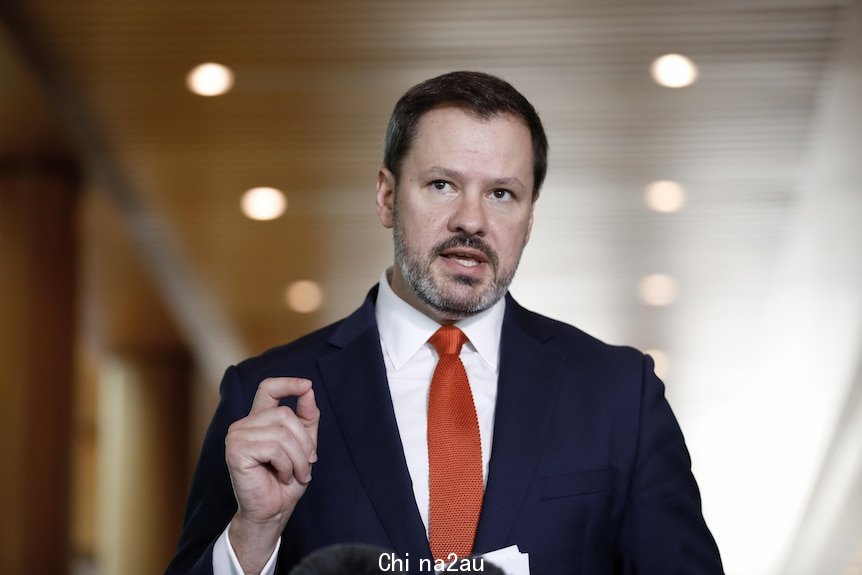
(315, 82)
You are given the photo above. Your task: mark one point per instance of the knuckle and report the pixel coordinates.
(286, 437)
(285, 414)
(232, 433)
(232, 441)
(268, 449)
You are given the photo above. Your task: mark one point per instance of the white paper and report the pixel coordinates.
(510, 560)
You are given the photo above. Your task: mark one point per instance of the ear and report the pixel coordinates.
(385, 196)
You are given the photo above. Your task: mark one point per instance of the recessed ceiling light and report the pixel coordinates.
(263, 203)
(674, 71)
(658, 289)
(664, 196)
(304, 296)
(210, 79)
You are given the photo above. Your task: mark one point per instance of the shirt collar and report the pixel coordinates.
(404, 329)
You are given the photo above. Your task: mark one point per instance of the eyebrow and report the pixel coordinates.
(451, 174)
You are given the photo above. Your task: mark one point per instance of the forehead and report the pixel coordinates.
(455, 135)
(455, 119)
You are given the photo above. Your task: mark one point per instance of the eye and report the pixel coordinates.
(501, 194)
(441, 185)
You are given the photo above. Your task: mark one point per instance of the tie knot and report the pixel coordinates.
(448, 340)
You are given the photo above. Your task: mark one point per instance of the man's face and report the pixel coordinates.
(462, 211)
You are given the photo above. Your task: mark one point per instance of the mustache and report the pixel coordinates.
(463, 240)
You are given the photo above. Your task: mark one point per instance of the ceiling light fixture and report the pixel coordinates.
(263, 203)
(304, 296)
(674, 71)
(664, 196)
(658, 289)
(210, 79)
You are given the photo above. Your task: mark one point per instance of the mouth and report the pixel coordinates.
(466, 257)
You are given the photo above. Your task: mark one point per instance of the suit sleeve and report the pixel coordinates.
(663, 530)
(211, 503)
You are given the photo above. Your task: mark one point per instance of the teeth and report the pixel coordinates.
(467, 262)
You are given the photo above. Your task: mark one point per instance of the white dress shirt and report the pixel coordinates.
(410, 362)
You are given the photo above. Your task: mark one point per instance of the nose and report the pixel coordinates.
(468, 215)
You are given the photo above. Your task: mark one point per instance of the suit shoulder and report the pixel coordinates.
(618, 374)
(571, 339)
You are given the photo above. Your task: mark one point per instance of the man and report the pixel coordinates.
(434, 442)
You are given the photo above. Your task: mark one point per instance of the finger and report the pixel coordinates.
(285, 468)
(306, 408)
(297, 466)
(281, 417)
(309, 415)
(273, 446)
(273, 389)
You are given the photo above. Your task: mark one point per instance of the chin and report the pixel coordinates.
(463, 302)
(468, 281)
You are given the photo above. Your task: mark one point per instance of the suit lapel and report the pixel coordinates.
(527, 385)
(355, 380)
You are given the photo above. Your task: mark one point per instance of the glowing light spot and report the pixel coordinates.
(658, 289)
(263, 203)
(674, 71)
(304, 296)
(665, 196)
(210, 79)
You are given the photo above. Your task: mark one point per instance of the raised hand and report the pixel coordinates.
(269, 455)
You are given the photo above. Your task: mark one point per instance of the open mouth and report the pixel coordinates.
(465, 261)
(466, 257)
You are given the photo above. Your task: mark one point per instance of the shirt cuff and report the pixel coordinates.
(226, 563)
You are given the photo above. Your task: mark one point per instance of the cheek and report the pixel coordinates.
(416, 233)
(427, 227)
(512, 239)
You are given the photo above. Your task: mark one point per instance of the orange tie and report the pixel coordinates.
(454, 451)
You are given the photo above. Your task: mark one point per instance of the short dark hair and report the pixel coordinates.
(482, 94)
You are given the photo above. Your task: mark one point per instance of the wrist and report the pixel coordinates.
(253, 542)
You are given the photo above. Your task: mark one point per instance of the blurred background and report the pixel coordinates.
(705, 207)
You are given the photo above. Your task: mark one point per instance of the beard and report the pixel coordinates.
(458, 301)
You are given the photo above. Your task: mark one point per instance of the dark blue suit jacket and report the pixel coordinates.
(589, 473)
